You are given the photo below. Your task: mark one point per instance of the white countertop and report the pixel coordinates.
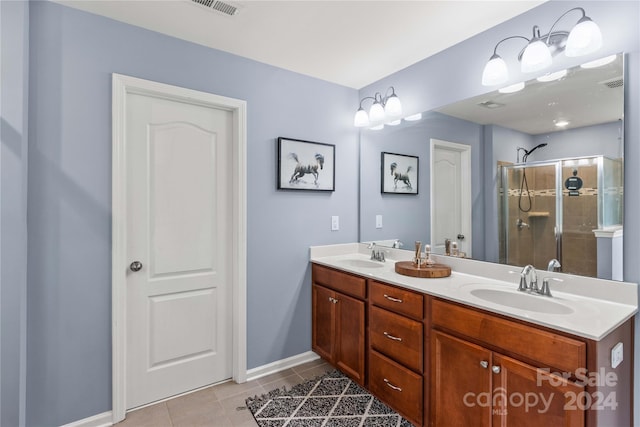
(592, 308)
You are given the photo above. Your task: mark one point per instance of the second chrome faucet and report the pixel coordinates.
(532, 286)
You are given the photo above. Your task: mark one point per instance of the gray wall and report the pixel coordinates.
(13, 209)
(605, 139)
(454, 74)
(69, 319)
(408, 217)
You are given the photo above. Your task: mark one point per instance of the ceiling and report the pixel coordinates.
(351, 43)
(585, 97)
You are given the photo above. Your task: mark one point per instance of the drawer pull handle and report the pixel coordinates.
(391, 337)
(495, 369)
(392, 298)
(396, 388)
(484, 364)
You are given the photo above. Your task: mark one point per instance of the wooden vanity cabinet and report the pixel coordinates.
(396, 348)
(490, 371)
(338, 320)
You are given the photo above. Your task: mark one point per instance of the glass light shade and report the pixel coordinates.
(361, 118)
(549, 77)
(393, 107)
(376, 113)
(584, 38)
(512, 88)
(599, 62)
(495, 72)
(536, 57)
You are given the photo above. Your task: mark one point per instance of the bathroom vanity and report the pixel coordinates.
(470, 349)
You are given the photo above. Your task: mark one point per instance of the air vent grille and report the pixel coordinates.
(218, 6)
(614, 83)
(491, 104)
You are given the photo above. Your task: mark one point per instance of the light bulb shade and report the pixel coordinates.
(361, 118)
(495, 72)
(536, 57)
(376, 113)
(584, 38)
(393, 107)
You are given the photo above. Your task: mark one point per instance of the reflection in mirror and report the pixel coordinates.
(529, 151)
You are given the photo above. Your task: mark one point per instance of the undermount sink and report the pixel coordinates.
(522, 301)
(363, 263)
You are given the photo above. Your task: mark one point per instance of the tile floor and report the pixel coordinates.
(221, 405)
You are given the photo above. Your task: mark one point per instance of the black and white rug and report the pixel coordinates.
(332, 400)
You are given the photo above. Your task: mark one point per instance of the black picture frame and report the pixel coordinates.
(399, 173)
(306, 165)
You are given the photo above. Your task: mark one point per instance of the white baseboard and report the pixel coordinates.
(101, 420)
(281, 365)
(106, 418)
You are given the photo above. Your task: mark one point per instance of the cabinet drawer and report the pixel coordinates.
(396, 336)
(397, 386)
(343, 282)
(547, 348)
(398, 300)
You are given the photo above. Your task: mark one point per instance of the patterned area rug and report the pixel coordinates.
(332, 400)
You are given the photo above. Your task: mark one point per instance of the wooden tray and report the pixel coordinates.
(408, 268)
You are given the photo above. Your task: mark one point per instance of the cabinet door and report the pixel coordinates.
(323, 321)
(349, 356)
(524, 396)
(460, 382)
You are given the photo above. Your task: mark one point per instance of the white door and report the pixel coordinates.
(179, 297)
(450, 195)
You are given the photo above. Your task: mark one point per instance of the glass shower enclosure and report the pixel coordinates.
(552, 209)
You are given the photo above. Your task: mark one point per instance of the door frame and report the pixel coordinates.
(123, 85)
(465, 179)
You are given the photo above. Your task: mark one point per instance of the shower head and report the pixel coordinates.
(526, 153)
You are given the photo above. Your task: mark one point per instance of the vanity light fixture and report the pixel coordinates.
(549, 77)
(385, 108)
(584, 38)
(512, 88)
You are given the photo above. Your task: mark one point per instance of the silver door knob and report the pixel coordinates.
(135, 266)
(460, 236)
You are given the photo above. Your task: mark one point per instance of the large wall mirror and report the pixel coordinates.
(524, 177)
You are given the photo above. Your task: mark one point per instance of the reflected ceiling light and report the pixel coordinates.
(384, 109)
(395, 122)
(414, 117)
(512, 88)
(561, 123)
(584, 38)
(549, 77)
(379, 127)
(599, 62)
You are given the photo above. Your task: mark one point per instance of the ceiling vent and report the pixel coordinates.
(219, 6)
(613, 83)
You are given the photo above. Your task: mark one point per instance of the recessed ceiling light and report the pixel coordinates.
(561, 123)
(552, 76)
(513, 88)
(413, 117)
(599, 62)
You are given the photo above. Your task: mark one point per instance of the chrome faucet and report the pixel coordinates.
(532, 287)
(375, 255)
(553, 265)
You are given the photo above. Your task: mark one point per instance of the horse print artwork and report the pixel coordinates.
(399, 174)
(305, 165)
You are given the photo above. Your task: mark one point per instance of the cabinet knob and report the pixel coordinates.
(333, 300)
(495, 369)
(484, 364)
(392, 298)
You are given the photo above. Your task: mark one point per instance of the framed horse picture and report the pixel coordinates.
(306, 165)
(399, 174)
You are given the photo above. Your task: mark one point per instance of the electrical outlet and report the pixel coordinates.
(378, 221)
(335, 223)
(616, 355)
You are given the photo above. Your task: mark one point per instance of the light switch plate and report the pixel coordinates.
(616, 355)
(378, 221)
(335, 223)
